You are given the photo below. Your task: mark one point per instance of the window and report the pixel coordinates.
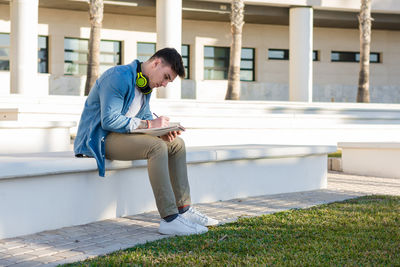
(186, 58)
(373, 57)
(278, 54)
(76, 55)
(315, 55)
(283, 54)
(216, 63)
(43, 54)
(4, 51)
(341, 56)
(247, 65)
(110, 54)
(43, 63)
(145, 51)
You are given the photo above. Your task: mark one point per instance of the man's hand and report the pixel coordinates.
(169, 137)
(161, 121)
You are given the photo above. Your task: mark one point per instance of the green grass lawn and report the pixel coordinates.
(337, 154)
(359, 232)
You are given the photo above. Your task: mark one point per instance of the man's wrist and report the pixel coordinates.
(144, 124)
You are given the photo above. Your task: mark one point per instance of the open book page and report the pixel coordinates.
(173, 126)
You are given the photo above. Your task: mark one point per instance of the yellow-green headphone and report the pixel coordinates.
(142, 82)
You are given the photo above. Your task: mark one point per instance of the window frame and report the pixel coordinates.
(149, 55)
(317, 55)
(355, 56)
(253, 65)
(47, 55)
(187, 77)
(3, 58)
(226, 60)
(79, 62)
(287, 54)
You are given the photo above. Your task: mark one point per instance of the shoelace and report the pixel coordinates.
(203, 217)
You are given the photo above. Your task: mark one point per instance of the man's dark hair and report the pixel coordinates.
(171, 57)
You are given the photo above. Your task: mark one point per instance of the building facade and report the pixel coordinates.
(299, 50)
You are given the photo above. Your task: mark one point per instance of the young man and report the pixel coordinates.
(119, 103)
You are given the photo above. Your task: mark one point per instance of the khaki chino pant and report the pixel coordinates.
(166, 166)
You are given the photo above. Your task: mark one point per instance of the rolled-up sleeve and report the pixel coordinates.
(134, 124)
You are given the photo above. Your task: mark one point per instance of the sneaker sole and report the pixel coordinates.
(181, 234)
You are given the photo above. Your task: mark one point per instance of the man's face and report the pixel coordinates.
(160, 74)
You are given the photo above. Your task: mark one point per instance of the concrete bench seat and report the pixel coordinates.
(44, 191)
(39, 164)
(379, 159)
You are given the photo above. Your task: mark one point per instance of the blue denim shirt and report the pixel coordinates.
(104, 112)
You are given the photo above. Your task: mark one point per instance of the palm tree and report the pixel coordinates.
(237, 15)
(365, 41)
(96, 18)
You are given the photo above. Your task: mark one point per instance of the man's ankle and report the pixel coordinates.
(183, 209)
(171, 217)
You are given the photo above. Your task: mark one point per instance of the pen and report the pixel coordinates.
(155, 115)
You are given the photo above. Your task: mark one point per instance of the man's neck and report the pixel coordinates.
(145, 67)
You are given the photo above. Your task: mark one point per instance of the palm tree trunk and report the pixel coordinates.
(237, 15)
(96, 18)
(365, 40)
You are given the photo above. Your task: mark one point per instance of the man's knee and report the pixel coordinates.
(178, 145)
(179, 142)
(159, 147)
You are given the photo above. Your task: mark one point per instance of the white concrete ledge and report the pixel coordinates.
(371, 158)
(52, 190)
(35, 124)
(35, 136)
(238, 122)
(389, 145)
(39, 164)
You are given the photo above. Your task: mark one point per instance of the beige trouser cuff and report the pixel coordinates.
(166, 166)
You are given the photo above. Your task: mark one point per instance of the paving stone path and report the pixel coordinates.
(71, 244)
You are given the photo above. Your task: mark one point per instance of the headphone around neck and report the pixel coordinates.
(142, 82)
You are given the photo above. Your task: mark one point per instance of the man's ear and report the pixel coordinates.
(156, 62)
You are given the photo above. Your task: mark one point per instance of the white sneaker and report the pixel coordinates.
(196, 217)
(180, 226)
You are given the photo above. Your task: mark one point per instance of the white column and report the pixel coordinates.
(198, 65)
(169, 34)
(300, 57)
(24, 46)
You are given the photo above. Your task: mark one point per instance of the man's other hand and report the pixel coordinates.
(169, 137)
